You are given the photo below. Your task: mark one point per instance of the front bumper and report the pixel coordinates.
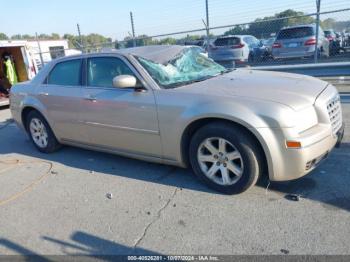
(340, 135)
(289, 164)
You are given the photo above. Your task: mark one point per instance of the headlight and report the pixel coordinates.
(305, 119)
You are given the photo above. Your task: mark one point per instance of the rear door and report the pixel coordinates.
(61, 94)
(115, 118)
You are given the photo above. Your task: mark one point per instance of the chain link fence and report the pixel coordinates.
(314, 35)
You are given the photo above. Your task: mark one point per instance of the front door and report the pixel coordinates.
(121, 119)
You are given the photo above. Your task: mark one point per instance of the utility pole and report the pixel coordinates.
(207, 23)
(318, 6)
(39, 47)
(80, 38)
(133, 29)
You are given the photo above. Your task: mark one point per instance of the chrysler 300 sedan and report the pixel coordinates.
(172, 105)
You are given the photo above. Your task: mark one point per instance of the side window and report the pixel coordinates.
(102, 70)
(66, 73)
(251, 41)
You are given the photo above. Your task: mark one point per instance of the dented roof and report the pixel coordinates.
(157, 53)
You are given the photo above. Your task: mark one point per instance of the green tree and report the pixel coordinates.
(329, 23)
(55, 36)
(237, 30)
(17, 37)
(168, 41)
(264, 27)
(73, 41)
(28, 37)
(93, 42)
(3, 36)
(141, 40)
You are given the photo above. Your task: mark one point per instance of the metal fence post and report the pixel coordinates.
(318, 5)
(80, 39)
(207, 24)
(133, 29)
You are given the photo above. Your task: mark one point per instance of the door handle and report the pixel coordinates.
(43, 94)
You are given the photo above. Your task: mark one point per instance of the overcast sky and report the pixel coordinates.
(111, 17)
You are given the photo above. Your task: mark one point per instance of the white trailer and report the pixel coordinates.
(29, 56)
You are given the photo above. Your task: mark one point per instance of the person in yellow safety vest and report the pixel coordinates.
(10, 71)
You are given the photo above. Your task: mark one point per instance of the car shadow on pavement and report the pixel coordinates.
(328, 184)
(20, 250)
(14, 141)
(81, 244)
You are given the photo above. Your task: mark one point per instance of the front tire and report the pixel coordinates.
(40, 133)
(226, 157)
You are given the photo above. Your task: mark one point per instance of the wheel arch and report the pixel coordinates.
(192, 127)
(25, 112)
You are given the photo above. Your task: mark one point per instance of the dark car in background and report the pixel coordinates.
(268, 43)
(334, 41)
(299, 41)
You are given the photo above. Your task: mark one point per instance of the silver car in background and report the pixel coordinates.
(172, 105)
(237, 48)
(299, 41)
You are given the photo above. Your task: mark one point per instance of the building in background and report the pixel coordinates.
(49, 50)
(26, 58)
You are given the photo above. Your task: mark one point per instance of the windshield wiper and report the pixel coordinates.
(227, 70)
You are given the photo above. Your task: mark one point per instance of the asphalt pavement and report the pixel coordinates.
(77, 201)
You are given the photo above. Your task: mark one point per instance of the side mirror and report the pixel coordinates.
(124, 81)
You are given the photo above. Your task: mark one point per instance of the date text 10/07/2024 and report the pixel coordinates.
(173, 258)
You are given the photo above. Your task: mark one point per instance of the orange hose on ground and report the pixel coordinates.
(31, 185)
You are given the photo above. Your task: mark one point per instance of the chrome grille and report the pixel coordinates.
(335, 114)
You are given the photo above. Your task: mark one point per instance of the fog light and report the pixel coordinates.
(293, 144)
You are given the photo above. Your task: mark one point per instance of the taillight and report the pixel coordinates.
(311, 41)
(276, 45)
(237, 46)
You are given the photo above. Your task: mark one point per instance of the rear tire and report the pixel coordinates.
(40, 133)
(251, 58)
(226, 157)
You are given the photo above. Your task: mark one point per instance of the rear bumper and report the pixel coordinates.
(222, 57)
(279, 54)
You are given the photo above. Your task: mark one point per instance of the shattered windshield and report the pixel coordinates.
(191, 65)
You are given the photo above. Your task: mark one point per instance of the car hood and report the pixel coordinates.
(293, 90)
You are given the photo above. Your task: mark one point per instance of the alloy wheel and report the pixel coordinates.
(220, 161)
(38, 132)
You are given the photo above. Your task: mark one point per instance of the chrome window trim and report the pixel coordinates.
(125, 60)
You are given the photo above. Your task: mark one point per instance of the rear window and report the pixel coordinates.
(327, 33)
(66, 73)
(298, 32)
(227, 41)
(251, 41)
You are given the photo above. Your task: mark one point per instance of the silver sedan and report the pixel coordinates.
(172, 105)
